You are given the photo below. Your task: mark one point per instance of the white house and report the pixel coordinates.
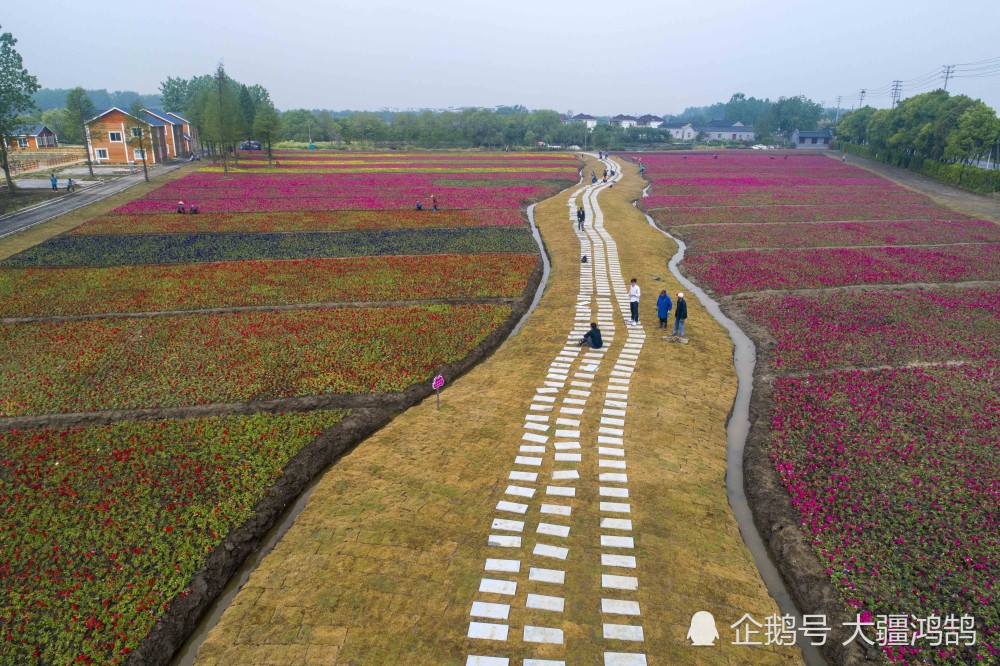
(625, 121)
(721, 130)
(681, 131)
(589, 121)
(650, 121)
(811, 139)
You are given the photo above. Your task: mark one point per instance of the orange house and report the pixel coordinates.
(112, 137)
(34, 138)
(176, 132)
(189, 134)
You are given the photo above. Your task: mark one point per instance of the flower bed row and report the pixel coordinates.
(185, 248)
(817, 333)
(102, 526)
(756, 270)
(201, 180)
(711, 238)
(196, 359)
(74, 291)
(734, 213)
(779, 197)
(895, 475)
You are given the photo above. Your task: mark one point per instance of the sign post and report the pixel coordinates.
(436, 385)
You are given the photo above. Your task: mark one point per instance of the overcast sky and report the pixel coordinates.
(632, 56)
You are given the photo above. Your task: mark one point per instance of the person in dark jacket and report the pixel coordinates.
(580, 217)
(680, 315)
(592, 337)
(663, 308)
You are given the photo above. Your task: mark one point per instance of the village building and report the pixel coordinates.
(589, 121)
(681, 131)
(112, 137)
(34, 138)
(723, 130)
(649, 121)
(819, 140)
(624, 121)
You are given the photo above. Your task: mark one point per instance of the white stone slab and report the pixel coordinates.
(532, 448)
(613, 477)
(616, 524)
(605, 451)
(542, 635)
(510, 566)
(567, 446)
(492, 611)
(582, 384)
(560, 491)
(623, 632)
(564, 474)
(538, 418)
(618, 432)
(476, 660)
(512, 507)
(556, 509)
(567, 422)
(619, 404)
(556, 364)
(619, 607)
(517, 475)
(627, 362)
(543, 662)
(504, 541)
(569, 457)
(490, 632)
(546, 390)
(623, 561)
(617, 541)
(574, 401)
(569, 434)
(604, 439)
(619, 582)
(508, 525)
(616, 373)
(531, 425)
(622, 383)
(544, 602)
(624, 659)
(616, 507)
(533, 437)
(611, 464)
(589, 368)
(540, 408)
(494, 586)
(577, 392)
(605, 491)
(520, 491)
(553, 530)
(613, 412)
(545, 550)
(583, 375)
(610, 421)
(570, 410)
(528, 460)
(554, 576)
(555, 384)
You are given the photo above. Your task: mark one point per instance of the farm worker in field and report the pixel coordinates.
(194, 209)
(180, 207)
(580, 217)
(54, 181)
(420, 206)
(663, 308)
(843, 158)
(434, 203)
(633, 301)
(680, 315)
(592, 337)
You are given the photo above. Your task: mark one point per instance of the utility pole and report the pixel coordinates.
(948, 71)
(839, 98)
(896, 86)
(861, 98)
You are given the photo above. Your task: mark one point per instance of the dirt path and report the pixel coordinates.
(971, 204)
(404, 551)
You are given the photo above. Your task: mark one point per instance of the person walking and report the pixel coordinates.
(680, 316)
(663, 308)
(592, 337)
(633, 301)
(580, 217)
(70, 186)
(54, 181)
(434, 203)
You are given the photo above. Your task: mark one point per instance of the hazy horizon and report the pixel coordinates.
(585, 57)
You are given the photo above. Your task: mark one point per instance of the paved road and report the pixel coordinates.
(35, 215)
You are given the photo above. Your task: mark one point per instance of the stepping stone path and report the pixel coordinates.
(531, 530)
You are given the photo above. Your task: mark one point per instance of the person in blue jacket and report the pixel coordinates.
(592, 337)
(663, 308)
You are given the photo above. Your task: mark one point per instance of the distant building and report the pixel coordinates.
(624, 121)
(34, 138)
(819, 140)
(681, 131)
(173, 132)
(108, 133)
(589, 121)
(189, 133)
(723, 130)
(649, 121)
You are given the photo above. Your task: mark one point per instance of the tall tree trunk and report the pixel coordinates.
(11, 187)
(86, 148)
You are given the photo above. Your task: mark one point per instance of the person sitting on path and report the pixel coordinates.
(680, 316)
(580, 217)
(592, 337)
(663, 308)
(633, 301)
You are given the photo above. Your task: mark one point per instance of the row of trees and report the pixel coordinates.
(769, 118)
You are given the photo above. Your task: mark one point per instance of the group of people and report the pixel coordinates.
(70, 185)
(434, 204)
(663, 308)
(191, 209)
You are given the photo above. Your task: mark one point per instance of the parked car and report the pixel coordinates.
(250, 145)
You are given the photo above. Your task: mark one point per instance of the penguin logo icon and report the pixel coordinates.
(703, 631)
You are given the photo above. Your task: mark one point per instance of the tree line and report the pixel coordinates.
(941, 135)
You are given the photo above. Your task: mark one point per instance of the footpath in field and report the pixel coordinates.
(565, 506)
(872, 462)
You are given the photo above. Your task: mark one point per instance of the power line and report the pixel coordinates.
(896, 86)
(948, 69)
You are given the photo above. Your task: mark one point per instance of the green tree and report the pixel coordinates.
(267, 126)
(137, 135)
(249, 108)
(853, 126)
(175, 94)
(977, 132)
(16, 89)
(79, 109)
